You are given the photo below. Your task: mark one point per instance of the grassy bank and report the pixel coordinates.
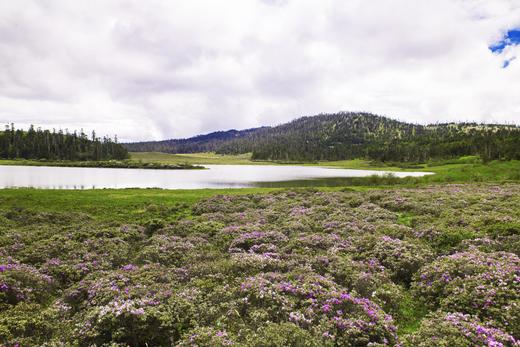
(464, 170)
(194, 158)
(113, 204)
(108, 164)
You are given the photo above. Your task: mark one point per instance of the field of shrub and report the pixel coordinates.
(430, 266)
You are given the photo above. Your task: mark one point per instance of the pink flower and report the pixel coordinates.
(325, 308)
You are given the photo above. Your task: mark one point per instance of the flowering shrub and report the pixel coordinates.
(21, 282)
(315, 242)
(317, 304)
(225, 204)
(287, 268)
(257, 242)
(510, 244)
(132, 305)
(247, 263)
(169, 250)
(401, 258)
(457, 329)
(285, 334)
(485, 284)
(206, 337)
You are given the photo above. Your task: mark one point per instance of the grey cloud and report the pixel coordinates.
(165, 69)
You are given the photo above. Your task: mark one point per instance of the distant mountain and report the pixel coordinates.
(211, 142)
(349, 135)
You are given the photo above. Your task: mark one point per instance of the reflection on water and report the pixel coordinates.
(218, 176)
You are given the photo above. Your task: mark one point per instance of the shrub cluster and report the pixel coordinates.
(436, 266)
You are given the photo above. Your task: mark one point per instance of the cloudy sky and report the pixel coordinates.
(173, 68)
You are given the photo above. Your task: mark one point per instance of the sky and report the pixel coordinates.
(151, 70)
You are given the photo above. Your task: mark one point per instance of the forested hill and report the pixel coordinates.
(211, 142)
(44, 144)
(354, 135)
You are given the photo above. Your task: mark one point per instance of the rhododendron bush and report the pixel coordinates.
(434, 266)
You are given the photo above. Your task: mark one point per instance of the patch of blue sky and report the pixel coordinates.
(507, 62)
(512, 37)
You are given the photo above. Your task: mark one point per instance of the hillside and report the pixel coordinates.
(350, 136)
(211, 142)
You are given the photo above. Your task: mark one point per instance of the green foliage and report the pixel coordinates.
(451, 238)
(152, 225)
(43, 144)
(457, 330)
(28, 324)
(284, 334)
(504, 229)
(410, 313)
(405, 219)
(206, 336)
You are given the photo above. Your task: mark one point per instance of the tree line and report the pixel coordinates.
(36, 143)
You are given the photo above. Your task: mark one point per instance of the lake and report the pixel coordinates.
(217, 176)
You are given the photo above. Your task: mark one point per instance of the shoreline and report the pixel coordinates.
(101, 164)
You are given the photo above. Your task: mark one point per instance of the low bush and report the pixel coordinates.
(431, 266)
(483, 284)
(457, 329)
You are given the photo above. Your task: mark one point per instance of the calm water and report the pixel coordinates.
(218, 176)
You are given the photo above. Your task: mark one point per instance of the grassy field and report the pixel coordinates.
(194, 158)
(116, 205)
(120, 205)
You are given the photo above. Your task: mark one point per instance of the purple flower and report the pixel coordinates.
(325, 308)
(129, 267)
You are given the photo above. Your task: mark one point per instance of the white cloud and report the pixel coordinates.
(163, 69)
